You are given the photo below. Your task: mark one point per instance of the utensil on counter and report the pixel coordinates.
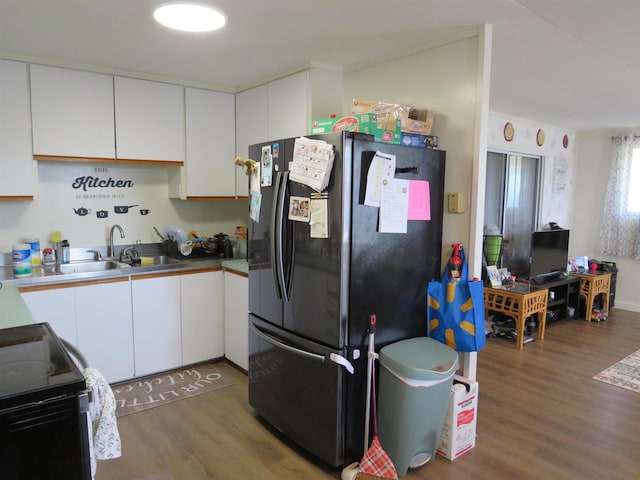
(176, 234)
(186, 248)
(159, 234)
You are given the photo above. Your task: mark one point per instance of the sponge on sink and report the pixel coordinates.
(146, 260)
(56, 236)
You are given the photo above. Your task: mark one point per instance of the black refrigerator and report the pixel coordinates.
(310, 299)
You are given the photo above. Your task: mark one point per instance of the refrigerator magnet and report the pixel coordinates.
(266, 163)
(319, 215)
(299, 209)
(254, 206)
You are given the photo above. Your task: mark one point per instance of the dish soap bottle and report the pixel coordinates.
(66, 251)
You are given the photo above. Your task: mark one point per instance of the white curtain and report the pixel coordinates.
(620, 233)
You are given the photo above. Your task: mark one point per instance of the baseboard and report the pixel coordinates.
(632, 307)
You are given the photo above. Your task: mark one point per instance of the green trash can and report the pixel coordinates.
(416, 376)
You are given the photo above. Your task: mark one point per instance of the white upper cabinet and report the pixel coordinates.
(273, 111)
(251, 127)
(149, 119)
(17, 168)
(284, 108)
(209, 170)
(288, 106)
(72, 113)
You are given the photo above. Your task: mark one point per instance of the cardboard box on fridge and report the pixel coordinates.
(369, 123)
(459, 431)
(386, 112)
(420, 141)
(414, 120)
(328, 125)
(366, 123)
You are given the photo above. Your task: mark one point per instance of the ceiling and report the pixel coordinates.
(569, 63)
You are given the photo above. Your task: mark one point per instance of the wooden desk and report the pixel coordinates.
(518, 301)
(592, 284)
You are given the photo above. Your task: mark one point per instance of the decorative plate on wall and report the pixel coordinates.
(508, 131)
(540, 137)
(565, 141)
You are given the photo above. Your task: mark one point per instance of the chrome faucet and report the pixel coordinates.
(110, 251)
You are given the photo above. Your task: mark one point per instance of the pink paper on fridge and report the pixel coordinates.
(419, 200)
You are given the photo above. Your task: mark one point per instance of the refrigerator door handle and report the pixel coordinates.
(289, 348)
(277, 220)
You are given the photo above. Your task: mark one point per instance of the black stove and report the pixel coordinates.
(43, 424)
(35, 364)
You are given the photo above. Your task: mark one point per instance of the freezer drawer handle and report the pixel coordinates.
(340, 360)
(284, 346)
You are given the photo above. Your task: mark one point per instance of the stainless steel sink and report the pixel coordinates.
(91, 266)
(157, 260)
(165, 260)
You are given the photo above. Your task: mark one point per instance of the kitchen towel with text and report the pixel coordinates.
(455, 310)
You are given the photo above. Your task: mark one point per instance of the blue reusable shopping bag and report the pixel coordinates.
(455, 310)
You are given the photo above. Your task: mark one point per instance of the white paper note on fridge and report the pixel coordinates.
(383, 167)
(394, 206)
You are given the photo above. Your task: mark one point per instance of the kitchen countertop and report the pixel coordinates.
(13, 310)
(239, 265)
(42, 277)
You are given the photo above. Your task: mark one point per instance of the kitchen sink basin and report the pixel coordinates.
(154, 260)
(91, 266)
(165, 260)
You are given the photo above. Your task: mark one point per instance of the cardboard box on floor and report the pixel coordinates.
(459, 431)
(412, 120)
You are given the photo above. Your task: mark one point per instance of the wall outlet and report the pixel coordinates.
(456, 202)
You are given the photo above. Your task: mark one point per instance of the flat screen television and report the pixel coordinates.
(549, 252)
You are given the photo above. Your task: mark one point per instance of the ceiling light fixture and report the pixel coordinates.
(189, 17)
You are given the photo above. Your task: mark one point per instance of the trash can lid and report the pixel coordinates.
(420, 358)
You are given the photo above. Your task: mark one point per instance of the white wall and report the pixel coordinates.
(442, 79)
(595, 150)
(556, 203)
(56, 199)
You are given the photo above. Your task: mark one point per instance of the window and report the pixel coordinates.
(620, 232)
(633, 203)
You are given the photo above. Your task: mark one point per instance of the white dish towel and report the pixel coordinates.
(104, 437)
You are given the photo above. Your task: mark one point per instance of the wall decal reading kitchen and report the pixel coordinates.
(86, 182)
(89, 181)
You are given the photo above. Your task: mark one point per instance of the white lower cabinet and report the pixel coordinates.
(202, 297)
(134, 326)
(95, 318)
(156, 323)
(105, 334)
(56, 306)
(236, 305)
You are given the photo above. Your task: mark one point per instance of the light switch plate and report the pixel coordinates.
(455, 202)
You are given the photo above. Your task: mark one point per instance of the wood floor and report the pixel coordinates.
(541, 416)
